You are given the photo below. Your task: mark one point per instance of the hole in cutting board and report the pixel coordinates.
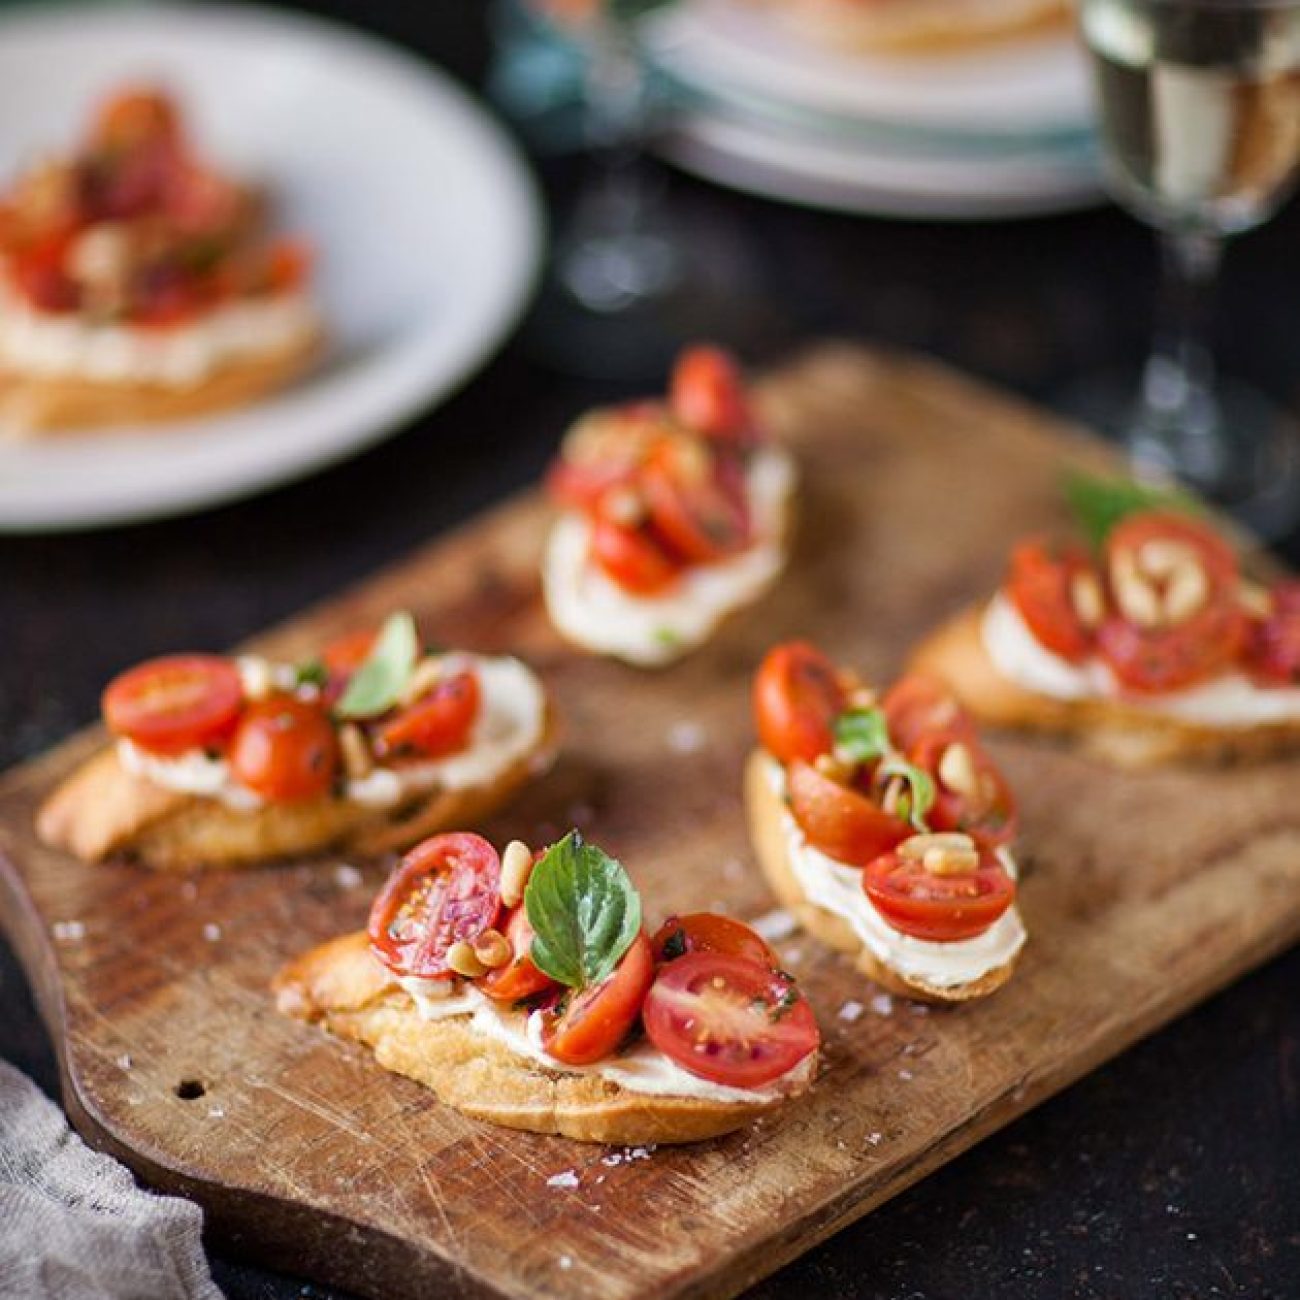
(190, 1090)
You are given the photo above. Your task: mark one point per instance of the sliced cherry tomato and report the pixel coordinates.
(134, 116)
(175, 703)
(842, 823)
(985, 810)
(519, 978)
(591, 1023)
(345, 654)
(916, 705)
(942, 909)
(708, 395)
(39, 274)
(709, 932)
(437, 723)
(602, 451)
(1041, 586)
(729, 1020)
(691, 508)
(446, 889)
(1275, 641)
(285, 749)
(631, 557)
(797, 697)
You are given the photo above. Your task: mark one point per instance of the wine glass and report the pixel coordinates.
(1200, 127)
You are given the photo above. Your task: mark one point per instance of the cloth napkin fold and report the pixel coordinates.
(73, 1224)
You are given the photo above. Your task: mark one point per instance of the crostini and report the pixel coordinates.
(138, 283)
(884, 826)
(675, 515)
(224, 762)
(523, 990)
(1149, 645)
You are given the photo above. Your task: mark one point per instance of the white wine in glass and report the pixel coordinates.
(1200, 123)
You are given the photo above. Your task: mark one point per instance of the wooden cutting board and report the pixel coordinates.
(1142, 893)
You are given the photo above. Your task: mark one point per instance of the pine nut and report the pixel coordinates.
(464, 961)
(1187, 591)
(1086, 596)
(833, 768)
(1161, 557)
(1136, 597)
(862, 697)
(426, 675)
(950, 862)
(358, 761)
(957, 770)
(626, 507)
(492, 948)
(944, 853)
(516, 867)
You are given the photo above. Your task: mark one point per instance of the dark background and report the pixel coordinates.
(1172, 1172)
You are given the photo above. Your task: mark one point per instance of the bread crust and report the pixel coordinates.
(342, 987)
(764, 810)
(103, 812)
(1117, 732)
(35, 405)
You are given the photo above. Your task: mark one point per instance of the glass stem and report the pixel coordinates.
(1178, 421)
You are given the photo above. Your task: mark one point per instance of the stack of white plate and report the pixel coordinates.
(996, 130)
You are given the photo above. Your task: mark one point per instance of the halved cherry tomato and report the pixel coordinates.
(519, 978)
(1040, 585)
(39, 274)
(591, 1023)
(1150, 660)
(732, 1021)
(691, 508)
(942, 909)
(709, 932)
(916, 705)
(842, 823)
(631, 557)
(797, 697)
(988, 812)
(580, 485)
(285, 749)
(446, 889)
(175, 703)
(708, 395)
(345, 654)
(1274, 653)
(133, 116)
(437, 723)
(602, 451)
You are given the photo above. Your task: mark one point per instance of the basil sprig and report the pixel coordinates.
(1101, 503)
(862, 735)
(377, 684)
(915, 802)
(584, 911)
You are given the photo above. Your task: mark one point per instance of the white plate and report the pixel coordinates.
(425, 219)
(1031, 87)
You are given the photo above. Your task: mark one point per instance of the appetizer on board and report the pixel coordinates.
(227, 762)
(522, 989)
(1149, 644)
(676, 514)
(139, 283)
(884, 826)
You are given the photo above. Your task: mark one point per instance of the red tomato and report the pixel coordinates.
(519, 978)
(437, 723)
(708, 395)
(38, 274)
(797, 697)
(580, 486)
(592, 1022)
(1275, 641)
(288, 264)
(709, 932)
(691, 509)
(345, 654)
(631, 557)
(446, 889)
(136, 115)
(729, 1020)
(175, 703)
(1181, 654)
(915, 705)
(942, 909)
(842, 823)
(1040, 585)
(285, 749)
(989, 813)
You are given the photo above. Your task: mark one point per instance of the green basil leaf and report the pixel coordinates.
(919, 799)
(862, 734)
(311, 672)
(584, 911)
(1101, 503)
(375, 686)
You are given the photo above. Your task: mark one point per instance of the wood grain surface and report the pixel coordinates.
(1142, 894)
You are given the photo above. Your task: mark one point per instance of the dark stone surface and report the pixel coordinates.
(1172, 1172)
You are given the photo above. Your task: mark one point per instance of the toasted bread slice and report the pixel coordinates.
(31, 405)
(340, 986)
(1123, 734)
(103, 811)
(765, 811)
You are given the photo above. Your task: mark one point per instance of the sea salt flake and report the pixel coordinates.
(687, 737)
(566, 1178)
(906, 1075)
(566, 1262)
(347, 876)
(775, 925)
(875, 1138)
(212, 932)
(882, 1004)
(852, 1011)
(216, 1112)
(124, 1061)
(69, 931)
